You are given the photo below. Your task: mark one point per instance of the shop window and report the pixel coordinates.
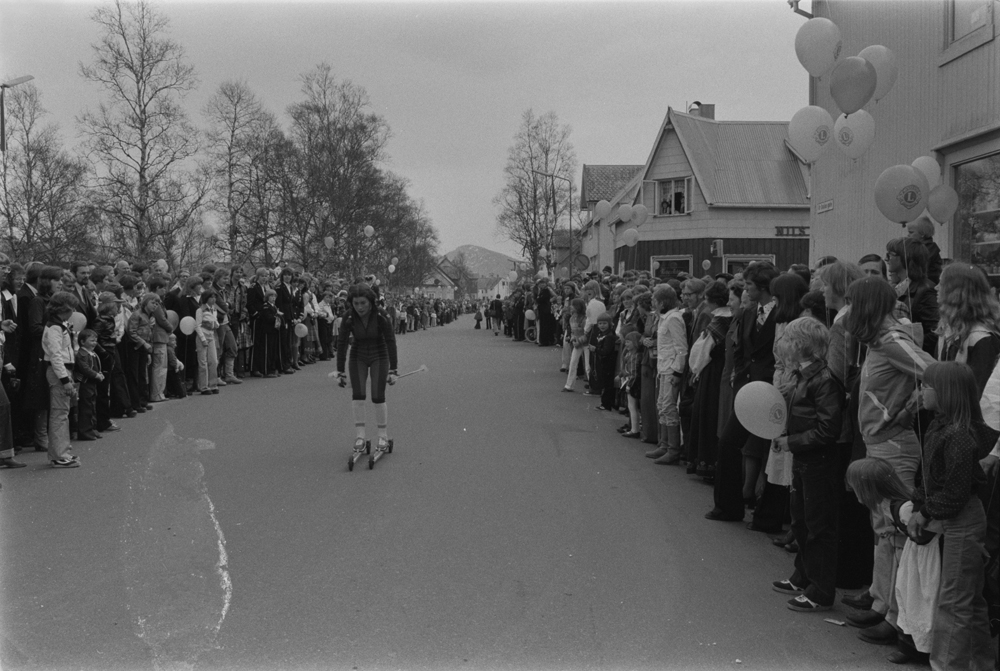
(737, 264)
(673, 196)
(669, 267)
(978, 217)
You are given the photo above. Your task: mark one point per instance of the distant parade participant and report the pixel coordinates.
(373, 352)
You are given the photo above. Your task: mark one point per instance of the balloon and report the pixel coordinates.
(640, 213)
(818, 46)
(187, 325)
(78, 321)
(853, 84)
(884, 62)
(512, 275)
(656, 266)
(706, 264)
(328, 241)
(564, 272)
(395, 260)
(631, 237)
(855, 133)
(602, 209)
(931, 169)
(761, 409)
(173, 318)
(369, 231)
(542, 253)
(809, 132)
(529, 315)
(625, 212)
(392, 268)
(301, 330)
(901, 193)
(942, 202)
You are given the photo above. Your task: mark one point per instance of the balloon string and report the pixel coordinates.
(916, 380)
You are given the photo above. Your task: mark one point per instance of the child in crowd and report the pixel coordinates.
(922, 230)
(577, 322)
(115, 400)
(946, 491)
(87, 373)
(175, 381)
(815, 402)
(207, 320)
(603, 345)
(58, 348)
(629, 381)
(324, 322)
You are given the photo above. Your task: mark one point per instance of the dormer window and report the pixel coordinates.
(673, 196)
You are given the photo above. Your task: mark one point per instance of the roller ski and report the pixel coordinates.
(383, 448)
(361, 448)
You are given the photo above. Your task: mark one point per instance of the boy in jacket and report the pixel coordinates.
(87, 373)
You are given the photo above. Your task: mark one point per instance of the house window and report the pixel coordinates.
(673, 196)
(669, 267)
(978, 217)
(967, 24)
(734, 264)
(967, 16)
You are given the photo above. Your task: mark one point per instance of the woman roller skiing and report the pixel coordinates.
(373, 354)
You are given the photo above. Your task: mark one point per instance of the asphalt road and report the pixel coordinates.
(511, 528)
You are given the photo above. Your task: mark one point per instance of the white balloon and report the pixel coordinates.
(328, 241)
(512, 275)
(931, 169)
(602, 209)
(369, 231)
(761, 409)
(625, 213)
(810, 132)
(818, 46)
(631, 237)
(395, 260)
(640, 213)
(392, 269)
(884, 62)
(854, 133)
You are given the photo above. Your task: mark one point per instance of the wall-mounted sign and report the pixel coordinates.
(791, 231)
(826, 206)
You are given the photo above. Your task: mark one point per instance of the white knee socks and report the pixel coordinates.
(381, 417)
(358, 410)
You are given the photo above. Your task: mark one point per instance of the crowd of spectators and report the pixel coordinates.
(889, 371)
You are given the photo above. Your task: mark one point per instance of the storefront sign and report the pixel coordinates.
(791, 231)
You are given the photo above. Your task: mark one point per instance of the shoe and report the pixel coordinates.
(666, 460)
(782, 540)
(271, 375)
(627, 426)
(692, 469)
(360, 444)
(232, 379)
(655, 454)
(221, 382)
(90, 435)
(149, 407)
(717, 515)
(206, 392)
(289, 371)
(753, 526)
(65, 463)
(882, 633)
(630, 434)
(601, 407)
(111, 427)
(138, 411)
(804, 604)
(591, 393)
(130, 413)
(865, 618)
(792, 548)
(295, 366)
(39, 448)
(214, 391)
(256, 374)
(564, 370)
(11, 463)
(567, 389)
(861, 601)
(786, 587)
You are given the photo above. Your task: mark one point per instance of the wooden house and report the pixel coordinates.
(613, 183)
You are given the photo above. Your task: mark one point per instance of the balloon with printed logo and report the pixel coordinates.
(369, 231)
(187, 325)
(930, 168)
(625, 213)
(818, 46)
(631, 237)
(395, 261)
(640, 213)
(810, 132)
(328, 241)
(301, 330)
(884, 62)
(392, 269)
(602, 209)
(853, 84)
(942, 203)
(761, 409)
(901, 193)
(854, 133)
(78, 321)
(173, 318)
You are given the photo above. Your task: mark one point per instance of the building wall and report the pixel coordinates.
(694, 251)
(934, 104)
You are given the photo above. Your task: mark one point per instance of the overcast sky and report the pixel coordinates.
(452, 79)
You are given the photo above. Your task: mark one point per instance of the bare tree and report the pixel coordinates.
(43, 186)
(139, 137)
(529, 203)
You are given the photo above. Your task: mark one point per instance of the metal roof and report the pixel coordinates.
(602, 182)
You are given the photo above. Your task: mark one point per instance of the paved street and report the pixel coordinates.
(511, 528)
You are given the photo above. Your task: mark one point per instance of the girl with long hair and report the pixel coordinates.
(578, 339)
(969, 328)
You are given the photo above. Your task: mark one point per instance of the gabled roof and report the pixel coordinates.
(738, 163)
(602, 182)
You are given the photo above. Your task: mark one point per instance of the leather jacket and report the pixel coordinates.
(815, 410)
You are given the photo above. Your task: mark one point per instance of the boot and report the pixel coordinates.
(662, 448)
(230, 375)
(673, 452)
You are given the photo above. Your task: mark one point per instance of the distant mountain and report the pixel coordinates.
(484, 262)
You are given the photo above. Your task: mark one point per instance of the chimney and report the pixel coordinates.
(705, 111)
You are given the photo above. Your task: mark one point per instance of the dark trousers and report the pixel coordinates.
(137, 377)
(771, 510)
(175, 384)
(86, 407)
(606, 380)
(729, 469)
(815, 501)
(325, 338)
(121, 399)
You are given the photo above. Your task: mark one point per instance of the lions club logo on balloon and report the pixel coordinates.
(822, 135)
(761, 409)
(909, 197)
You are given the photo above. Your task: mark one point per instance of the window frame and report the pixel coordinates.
(672, 258)
(952, 49)
(688, 189)
(745, 259)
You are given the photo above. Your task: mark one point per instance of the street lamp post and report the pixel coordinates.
(3, 123)
(555, 211)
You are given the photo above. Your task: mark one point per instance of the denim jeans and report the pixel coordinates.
(158, 371)
(903, 452)
(59, 405)
(666, 400)
(208, 364)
